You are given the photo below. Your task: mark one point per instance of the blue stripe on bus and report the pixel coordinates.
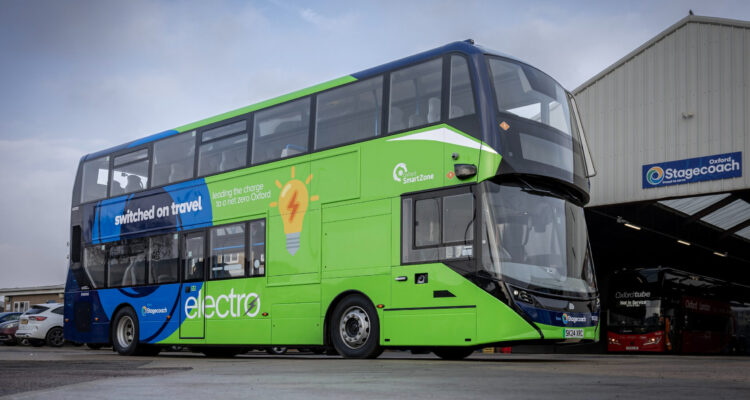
(152, 138)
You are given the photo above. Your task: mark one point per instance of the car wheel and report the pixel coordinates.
(55, 337)
(453, 353)
(355, 328)
(125, 332)
(276, 351)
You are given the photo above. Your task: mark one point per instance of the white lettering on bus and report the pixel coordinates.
(223, 306)
(139, 215)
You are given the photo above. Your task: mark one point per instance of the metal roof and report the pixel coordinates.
(691, 205)
(724, 211)
(659, 37)
(729, 216)
(32, 290)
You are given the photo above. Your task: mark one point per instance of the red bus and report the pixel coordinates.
(668, 310)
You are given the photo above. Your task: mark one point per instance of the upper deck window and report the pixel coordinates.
(130, 173)
(223, 148)
(281, 131)
(461, 95)
(349, 113)
(173, 159)
(415, 95)
(529, 93)
(94, 179)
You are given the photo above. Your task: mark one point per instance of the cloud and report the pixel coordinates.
(80, 76)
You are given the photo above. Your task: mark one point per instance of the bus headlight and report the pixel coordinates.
(652, 341)
(614, 341)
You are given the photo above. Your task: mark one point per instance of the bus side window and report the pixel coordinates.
(173, 159)
(223, 148)
(163, 259)
(415, 95)
(130, 173)
(193, 257)
(461, 95)
(349, 113)
(127, 263)
(95, 176)
(438, 227)
(257, 247)
(94, 260)
(227, 244)
(281, 131)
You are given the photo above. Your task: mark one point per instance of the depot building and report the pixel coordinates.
(668, 126)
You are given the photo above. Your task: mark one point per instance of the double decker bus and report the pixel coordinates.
(668, 310)
(434, 202)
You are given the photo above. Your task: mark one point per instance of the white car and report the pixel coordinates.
(42, 323)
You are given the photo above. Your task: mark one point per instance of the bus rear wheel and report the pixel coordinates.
(125, 332)
(453, 353)
(355, 328)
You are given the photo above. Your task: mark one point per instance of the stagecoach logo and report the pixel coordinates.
(655, 175)
(566, 318)
(402, 174)
(147, 310)
(233, 305)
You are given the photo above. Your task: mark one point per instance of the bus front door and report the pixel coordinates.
(193, 291)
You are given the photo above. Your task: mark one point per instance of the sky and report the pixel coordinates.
(81, 76)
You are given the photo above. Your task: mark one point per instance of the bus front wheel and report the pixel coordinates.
(125, 332)
(355, 328)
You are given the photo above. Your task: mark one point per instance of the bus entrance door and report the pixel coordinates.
(193, 293)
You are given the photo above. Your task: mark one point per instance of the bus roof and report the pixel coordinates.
(467, 47)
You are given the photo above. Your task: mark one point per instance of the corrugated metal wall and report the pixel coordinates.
(633, 115)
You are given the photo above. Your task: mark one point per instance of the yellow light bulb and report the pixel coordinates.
(293, 202)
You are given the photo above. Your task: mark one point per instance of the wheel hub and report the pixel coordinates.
(354, 327)
(125, 331)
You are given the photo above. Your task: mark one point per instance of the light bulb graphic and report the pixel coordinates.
(293, 201)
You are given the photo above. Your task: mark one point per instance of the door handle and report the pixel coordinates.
(401, 279)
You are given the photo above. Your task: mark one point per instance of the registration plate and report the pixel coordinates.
(574, 333)
(24, 321)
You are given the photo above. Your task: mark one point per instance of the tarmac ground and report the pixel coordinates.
(78, 372)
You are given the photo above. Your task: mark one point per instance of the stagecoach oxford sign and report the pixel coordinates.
(719, 166)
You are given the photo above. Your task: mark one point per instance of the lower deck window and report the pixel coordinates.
(228, 251)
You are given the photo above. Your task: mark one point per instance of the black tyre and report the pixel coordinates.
(125, 332)
(94, 346)
(355, 328)
(36, 342)
(55, 337)
(453, 353)
(220, 352)
(276, 350)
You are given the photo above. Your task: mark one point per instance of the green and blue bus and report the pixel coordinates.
(434, 202)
